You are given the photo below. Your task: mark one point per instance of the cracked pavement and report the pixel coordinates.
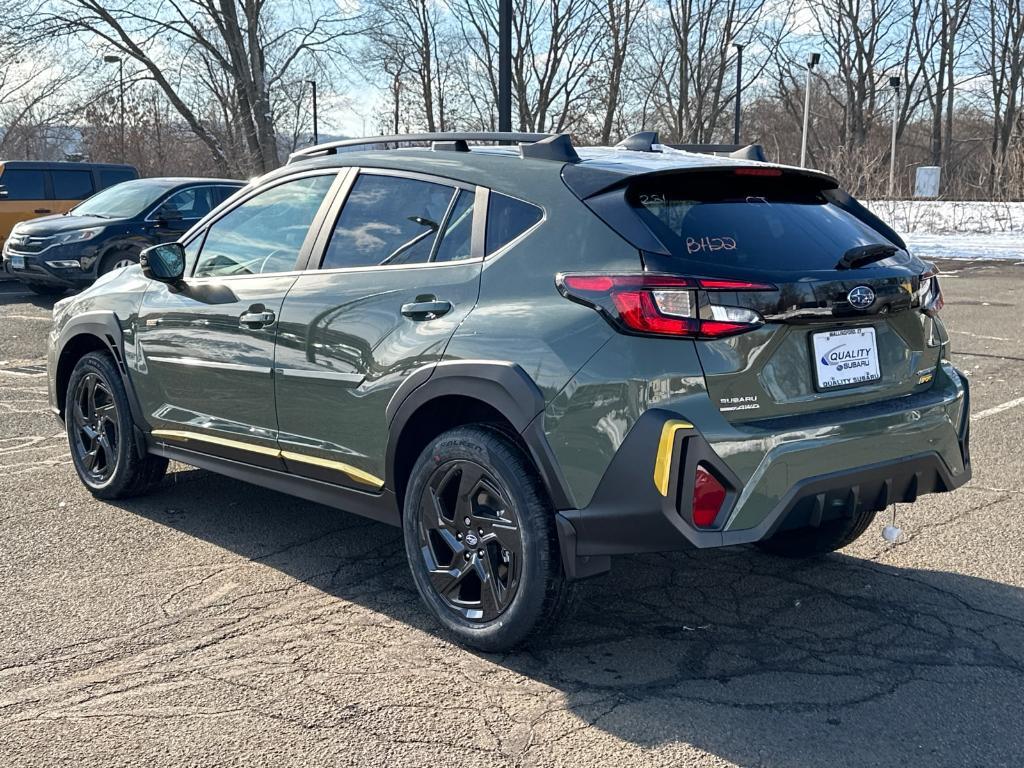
(214, 623)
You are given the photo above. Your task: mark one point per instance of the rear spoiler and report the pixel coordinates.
(604, 192)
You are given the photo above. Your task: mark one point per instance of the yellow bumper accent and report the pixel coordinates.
(663, 463)
(358, 475)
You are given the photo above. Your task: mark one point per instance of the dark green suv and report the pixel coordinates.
(530, 357)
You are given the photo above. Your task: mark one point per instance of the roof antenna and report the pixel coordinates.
(640, 142)
(558, 148)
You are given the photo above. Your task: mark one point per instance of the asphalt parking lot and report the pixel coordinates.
(213, 623)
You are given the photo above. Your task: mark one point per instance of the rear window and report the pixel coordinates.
(23, 185)
(71, 185)
(507, 219)
(761, 223)
(111, 176)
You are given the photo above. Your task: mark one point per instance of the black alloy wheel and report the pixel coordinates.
(93, 413)
(470, 540)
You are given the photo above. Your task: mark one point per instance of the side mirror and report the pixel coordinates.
(164, 262)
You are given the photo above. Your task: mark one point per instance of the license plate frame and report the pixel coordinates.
(853, 351)
(17, 262)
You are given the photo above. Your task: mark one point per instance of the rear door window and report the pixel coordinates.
(23, 184)
(111, 176)
(507, 219)
(760, 223)
(388, 220)
(71, 185)
(189, 204)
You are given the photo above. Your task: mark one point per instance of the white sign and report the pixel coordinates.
(926, 181)
(845, 357)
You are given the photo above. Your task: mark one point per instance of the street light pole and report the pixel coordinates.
(895, 83)
(812, 60)
(111, 59)
(739, 89)
(316, 125)
(504, 65)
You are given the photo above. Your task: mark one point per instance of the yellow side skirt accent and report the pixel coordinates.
(365, 478)
(663, 462)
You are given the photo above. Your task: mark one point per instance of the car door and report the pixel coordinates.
(390, 281)
(22, 197)
(204, 351)
(176, 214)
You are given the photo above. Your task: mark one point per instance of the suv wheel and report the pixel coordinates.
(807, 542)
(116, 260)
(99, 426)
(480, 538)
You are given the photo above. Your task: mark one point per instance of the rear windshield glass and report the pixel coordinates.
(761, 223)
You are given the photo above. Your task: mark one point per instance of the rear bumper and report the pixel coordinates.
(807, 473)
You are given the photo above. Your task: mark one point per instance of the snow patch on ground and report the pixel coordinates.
(945, 229)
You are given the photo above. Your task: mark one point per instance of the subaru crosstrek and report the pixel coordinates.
(531, 358)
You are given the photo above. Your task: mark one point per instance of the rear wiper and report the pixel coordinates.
(860, 255)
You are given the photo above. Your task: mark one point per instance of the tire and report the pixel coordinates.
(44, 289)
(808, 542)
(478, 473)
(100, 432)
(116, 259)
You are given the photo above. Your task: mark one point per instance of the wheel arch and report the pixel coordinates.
(437, 398)
(93, 332)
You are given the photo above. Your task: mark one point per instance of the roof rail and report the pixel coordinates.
(331, 148)
(738, 151)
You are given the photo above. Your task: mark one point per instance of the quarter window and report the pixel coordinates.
(507, 219)
(71, 185)
(23, 185)
(265, 233)
(191, 203)
(388, 220)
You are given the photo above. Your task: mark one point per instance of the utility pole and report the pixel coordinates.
(895, 83)
(504, 65)
(316, 127)
(812, 61)
(739, 89)
(111, 59)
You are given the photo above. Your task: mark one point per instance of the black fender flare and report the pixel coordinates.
(104, 326)
(504, 386)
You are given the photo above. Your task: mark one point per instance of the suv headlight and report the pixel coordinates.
(77, 236)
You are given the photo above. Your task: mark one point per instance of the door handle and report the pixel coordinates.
(426, 310)
(256, 319)
(42, 210)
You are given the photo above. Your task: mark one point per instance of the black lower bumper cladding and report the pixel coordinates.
(628, 515)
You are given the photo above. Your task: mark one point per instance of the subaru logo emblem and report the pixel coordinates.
(861, 297)
(471, 540)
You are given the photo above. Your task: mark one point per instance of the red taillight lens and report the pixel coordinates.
(662, 305)
(751, 170)
(708, 498)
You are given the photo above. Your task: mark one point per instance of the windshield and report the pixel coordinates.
(750, 222)
(122, 201)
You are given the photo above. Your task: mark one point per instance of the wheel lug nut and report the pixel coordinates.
(467, 521)
(458, 536)
(468, 555)
(480, 552)
(480, 531)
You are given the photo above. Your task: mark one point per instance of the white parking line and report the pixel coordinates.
(998, 409)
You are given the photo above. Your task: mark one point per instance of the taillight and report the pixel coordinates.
(929, 294)
(664, 305)
(708, 497)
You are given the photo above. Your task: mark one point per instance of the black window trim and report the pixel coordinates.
(319, 251)
(203, 225)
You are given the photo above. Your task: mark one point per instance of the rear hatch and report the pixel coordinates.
(833, 312)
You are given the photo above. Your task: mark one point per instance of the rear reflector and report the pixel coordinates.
(663, 305)
(708, 497)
